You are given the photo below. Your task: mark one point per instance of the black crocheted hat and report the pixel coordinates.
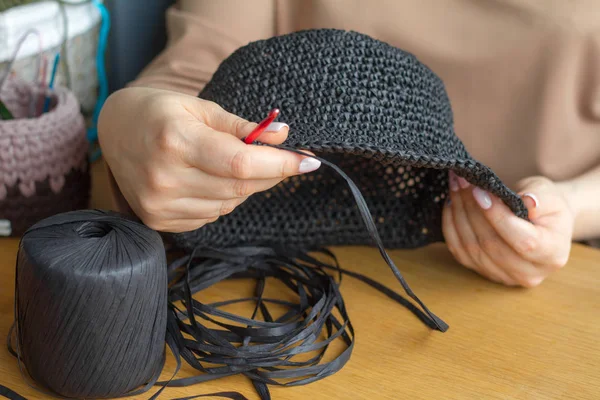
(374, 110)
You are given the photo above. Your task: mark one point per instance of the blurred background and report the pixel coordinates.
(135, 34)
(136, 37)
(91, 47)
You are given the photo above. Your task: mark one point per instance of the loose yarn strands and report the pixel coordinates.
(265, 351)
(435, 322)
(9, 394)
(285, 350)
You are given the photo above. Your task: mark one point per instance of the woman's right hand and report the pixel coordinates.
(179, 161)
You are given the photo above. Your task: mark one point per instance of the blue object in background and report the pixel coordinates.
(138, 34)
(51, 85)
(92, 133)
(131, 46)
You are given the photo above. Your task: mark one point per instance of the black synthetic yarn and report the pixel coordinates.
(264, 350)
(373, 110)
(10, 394)
(90, 305)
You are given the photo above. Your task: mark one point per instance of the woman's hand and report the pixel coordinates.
(179, 161)
(485, 236)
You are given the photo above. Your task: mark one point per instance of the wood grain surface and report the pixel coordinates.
(503, 343)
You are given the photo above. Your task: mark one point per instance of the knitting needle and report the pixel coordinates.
(261, 126)
(51, 85)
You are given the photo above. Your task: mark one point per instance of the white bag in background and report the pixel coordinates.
(83, 28)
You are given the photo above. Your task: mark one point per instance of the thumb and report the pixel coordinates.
(219, 119)
(541, 198)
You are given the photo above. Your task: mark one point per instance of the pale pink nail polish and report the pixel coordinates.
(452, 181)
(482, 198)
(309, 165)
(276, 126)
(463, 183)
(533, 197)
(536, 281)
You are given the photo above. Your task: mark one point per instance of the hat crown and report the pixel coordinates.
(337, 87)
(376, 112)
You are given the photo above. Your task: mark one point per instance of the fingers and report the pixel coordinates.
(210, 140)
(194, 183)
(490, 234)
(532, 191)
(229, 188)
(534, 243)
(219, 119)
(452, 240)
(276, 133)
(520, 271)
(531, 202)
(468, 239)
(178, 226)
(189, 209)
(224, 155)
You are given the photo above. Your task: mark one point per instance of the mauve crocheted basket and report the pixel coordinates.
(43, 161)
(375, 111)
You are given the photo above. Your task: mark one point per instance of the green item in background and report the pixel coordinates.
(6, 4)
(4, 113)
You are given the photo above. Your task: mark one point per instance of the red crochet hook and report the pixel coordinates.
(261, 126)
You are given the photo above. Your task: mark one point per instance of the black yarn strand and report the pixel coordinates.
(9, 394)
(373, 232)
(265, 346)
(272, 344)
(318, 295)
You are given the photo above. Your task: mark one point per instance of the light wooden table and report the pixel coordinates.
(503, 343)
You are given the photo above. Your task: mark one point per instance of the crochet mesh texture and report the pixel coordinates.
(375, 111)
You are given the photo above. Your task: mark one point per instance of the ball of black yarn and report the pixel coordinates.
(372, 109)
(91, 304)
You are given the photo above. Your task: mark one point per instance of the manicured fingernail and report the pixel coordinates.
(463, 183)
(482, 197)
(452, 181)
(276, 126)
(309, 165)
(536, 281)
(533, 197)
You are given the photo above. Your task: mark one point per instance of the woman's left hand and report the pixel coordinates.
(484, 235)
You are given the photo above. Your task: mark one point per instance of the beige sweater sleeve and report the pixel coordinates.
(201, 34)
